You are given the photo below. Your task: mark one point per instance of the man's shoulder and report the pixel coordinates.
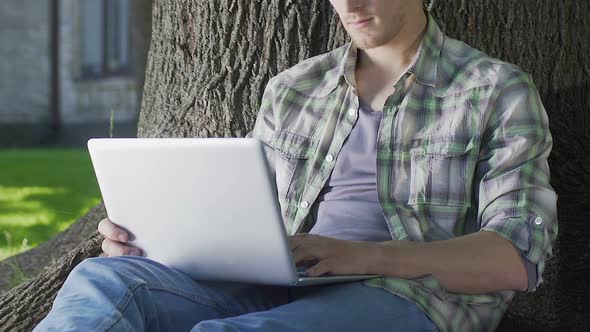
(316, 76)
(462, 67)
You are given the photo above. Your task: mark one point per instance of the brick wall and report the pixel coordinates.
(89, 100)
(25, 70)
(24, 61)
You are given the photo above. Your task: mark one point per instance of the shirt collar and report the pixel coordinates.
(423, 66)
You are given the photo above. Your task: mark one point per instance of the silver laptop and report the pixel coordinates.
(204, 206)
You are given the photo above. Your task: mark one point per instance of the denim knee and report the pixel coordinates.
(216, 325)
(106, 272)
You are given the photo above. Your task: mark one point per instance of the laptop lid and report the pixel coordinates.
(205, 206)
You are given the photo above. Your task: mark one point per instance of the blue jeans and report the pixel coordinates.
(136, 294)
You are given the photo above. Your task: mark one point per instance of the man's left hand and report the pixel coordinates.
(332, 256)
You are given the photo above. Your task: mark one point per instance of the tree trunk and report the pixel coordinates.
(209, 62)
(141, 31)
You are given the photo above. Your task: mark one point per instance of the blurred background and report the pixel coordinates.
(69, 70)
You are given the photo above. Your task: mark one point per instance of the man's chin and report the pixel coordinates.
(366, 43)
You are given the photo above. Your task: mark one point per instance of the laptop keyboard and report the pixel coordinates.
(301, 270)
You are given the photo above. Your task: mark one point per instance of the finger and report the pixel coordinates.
(107, 228)
(294, 243)
(297, 239)
(114, 248)
(304, 236)
(301, 255)
(321, 268)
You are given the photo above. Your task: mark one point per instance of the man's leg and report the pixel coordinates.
(342, 307)
(137, 294)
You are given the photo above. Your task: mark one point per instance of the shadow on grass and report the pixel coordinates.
(38, 216)
(41, 193)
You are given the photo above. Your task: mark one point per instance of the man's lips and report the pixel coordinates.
(360, 22)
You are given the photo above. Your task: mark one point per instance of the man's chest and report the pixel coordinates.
(427, 148)
(373, 92)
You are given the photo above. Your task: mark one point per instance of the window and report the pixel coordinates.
(105, 38)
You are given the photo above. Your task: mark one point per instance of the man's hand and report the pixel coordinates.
(332, 256)
(116, 238)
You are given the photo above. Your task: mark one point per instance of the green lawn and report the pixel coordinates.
(42, 192)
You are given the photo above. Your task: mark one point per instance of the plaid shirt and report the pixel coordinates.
(462, 147)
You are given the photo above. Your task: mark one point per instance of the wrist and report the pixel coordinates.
(397, 259)
(383, 259)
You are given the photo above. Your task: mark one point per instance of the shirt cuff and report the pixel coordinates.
(531, 271)
(530, 235)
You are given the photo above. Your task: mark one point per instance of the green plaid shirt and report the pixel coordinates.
(462, 147)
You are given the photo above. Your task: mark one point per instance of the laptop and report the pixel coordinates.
(205, 206)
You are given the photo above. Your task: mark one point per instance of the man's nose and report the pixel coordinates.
(353, 5)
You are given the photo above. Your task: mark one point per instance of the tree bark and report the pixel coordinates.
(210, 60)
(141, 31)
(36, 260)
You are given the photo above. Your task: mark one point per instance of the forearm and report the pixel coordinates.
(477, 263)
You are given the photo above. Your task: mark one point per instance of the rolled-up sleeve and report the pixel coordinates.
(515, 198)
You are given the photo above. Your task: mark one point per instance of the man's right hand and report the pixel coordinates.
(115, 243)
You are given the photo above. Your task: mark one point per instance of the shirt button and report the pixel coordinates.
(304, 204)
(329, 158)
(351, 112)
(538, 221)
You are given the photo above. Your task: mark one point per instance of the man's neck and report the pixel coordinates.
(394, 57)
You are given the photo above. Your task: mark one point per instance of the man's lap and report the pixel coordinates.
(174, 297)
(340, 307)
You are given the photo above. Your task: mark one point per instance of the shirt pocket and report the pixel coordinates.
(291, 154)
(441, 170)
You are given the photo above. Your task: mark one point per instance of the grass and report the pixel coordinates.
(42, 192)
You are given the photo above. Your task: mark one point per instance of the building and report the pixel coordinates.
(66, 68)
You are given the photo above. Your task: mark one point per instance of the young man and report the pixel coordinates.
(404, 153)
